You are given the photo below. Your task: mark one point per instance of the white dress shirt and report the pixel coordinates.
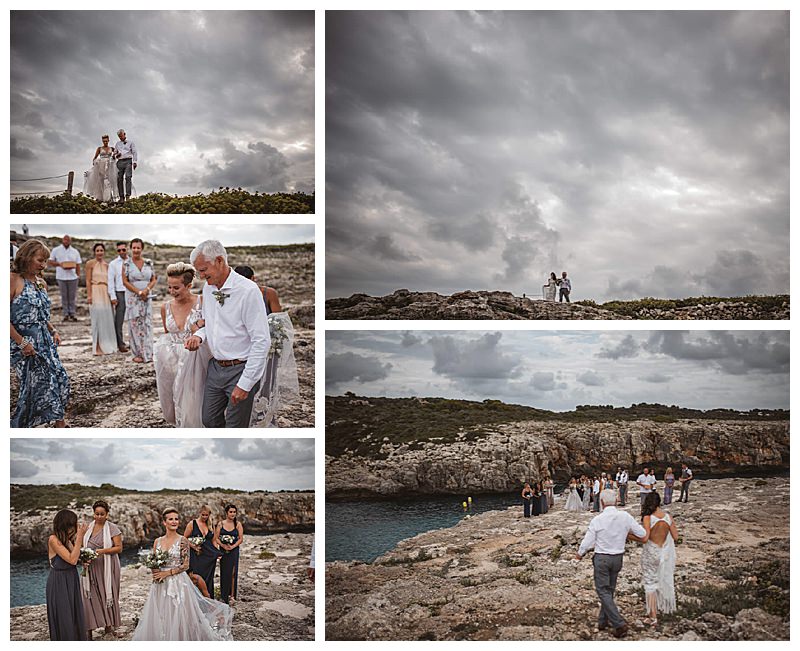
(115, 277)
(596, 486)
(237, 329)
(623, 478)
(608, 531)
(648, 480)
(127, 150)
(61, 254)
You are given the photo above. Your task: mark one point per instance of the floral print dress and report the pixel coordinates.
(139, 312)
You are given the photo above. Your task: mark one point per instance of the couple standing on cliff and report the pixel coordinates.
(563, 284)
(608, 533)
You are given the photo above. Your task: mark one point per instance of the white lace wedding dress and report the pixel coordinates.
(658, 570)
(176, 610)
(573, 500)
(100, 182)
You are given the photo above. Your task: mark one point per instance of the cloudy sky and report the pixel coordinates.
(646, 153)
(186, 234)
(221, 98)
(559, 370)
(152, 464)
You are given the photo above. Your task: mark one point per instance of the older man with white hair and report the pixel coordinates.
(607, 534)
(237, 335)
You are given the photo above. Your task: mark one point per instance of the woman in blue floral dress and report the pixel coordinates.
(139, 278)
(43, 382)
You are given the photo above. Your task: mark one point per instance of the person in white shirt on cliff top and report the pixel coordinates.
(237, 335)
(607, 534)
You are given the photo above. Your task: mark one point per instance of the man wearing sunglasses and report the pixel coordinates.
(116, 290)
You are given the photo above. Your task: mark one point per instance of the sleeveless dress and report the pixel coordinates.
(64, 602)
(43, 382)
(139, 312)
(526, 503)
(573, 500)
(658, 569)
(550, 290)
(98, 611)
(587, 496)
(204, 564)
(100, 182)
(175, 609)
(180, 373)
(104, 337)
(229, 569)
(669, 483)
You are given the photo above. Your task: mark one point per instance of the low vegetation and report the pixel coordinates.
(633, 308)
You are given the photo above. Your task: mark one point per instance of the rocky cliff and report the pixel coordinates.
(507, 455)
(138, 515)
(498, 576)
(496, 305)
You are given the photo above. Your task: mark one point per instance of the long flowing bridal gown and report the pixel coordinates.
(100, 182)
(175, 609)
(658, 570)
(573, 500)
(181, 374)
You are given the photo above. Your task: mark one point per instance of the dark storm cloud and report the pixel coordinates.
(343, 367)
(644, 152)
(627, 347)
(474, 360)
(23, 468)
(220, 98)
(268, 454)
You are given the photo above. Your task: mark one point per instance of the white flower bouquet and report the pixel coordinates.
(155, 559)
(197, 541)
(278, 336)
(87, 556)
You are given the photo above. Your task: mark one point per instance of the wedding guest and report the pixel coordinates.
(116, 292)
(579, 481)
(203, 557)
(101, 585)
(43, 382)
(587, 493)
(544, 502)
(67, 261)
(658, 558)
(312, 563)
(270, 296)
(596, 494)
(669, 482)
(180, 374)
(228, 536)
(607, 534)
(104, 341)
(686, 479)
(548, 488)
(139, 278)
(536, 499)
(527, 494)
(65, 617)
(14, 245)
(646, 483)
(622, 482)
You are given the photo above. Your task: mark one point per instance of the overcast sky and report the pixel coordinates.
(152, 464)
(185, 233)
(220, 98)
(646, 153)
(559, 370)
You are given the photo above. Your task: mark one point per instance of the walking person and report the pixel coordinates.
(686, 479)
(116, 292)
(658, 559)
(607, 534)
(67, 261)
(622, 482)
(127, 160)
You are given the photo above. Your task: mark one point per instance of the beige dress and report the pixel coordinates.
(100, 614)
(104, 338)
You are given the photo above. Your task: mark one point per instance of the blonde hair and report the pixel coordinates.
(181, 270)
(669, 469)
(27, 252)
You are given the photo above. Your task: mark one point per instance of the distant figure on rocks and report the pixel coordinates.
(527, 494)
(573, 499)
(646, 483)
(565, 287)
(548, 488)
(622, 483)
(536, 499)
(549, 289)
(658, 558)
(596, 494)
(669, 482)
(607, 534)
(543, 501)
(587, 492)
(686, 479)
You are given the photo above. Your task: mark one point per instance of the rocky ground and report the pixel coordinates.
(276, 598)
(497, 305)
(112, 391)
(498, 576)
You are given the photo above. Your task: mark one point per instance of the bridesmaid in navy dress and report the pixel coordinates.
(229, 534)
(63, 593)
(203, 558)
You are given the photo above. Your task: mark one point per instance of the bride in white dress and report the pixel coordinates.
(100, 182)
(658, 558)
(573, 499)
(175, 609)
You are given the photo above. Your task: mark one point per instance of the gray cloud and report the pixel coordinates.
(97, 462)
(410, 339)
(547, 381)
(343, 367)
(656, 378)
(642, 183)
(474, 360)
(591, 379)
(197, 452)
(268, 453)
(23, 468)
(627, 347)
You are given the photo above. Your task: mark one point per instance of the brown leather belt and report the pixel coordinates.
(230, 362)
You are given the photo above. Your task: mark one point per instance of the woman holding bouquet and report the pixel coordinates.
(202, 553)
(100, 584)
(229, 534)
(175, 609)
(64, 604)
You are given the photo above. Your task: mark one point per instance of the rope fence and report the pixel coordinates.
(44, 178)
(70, 176)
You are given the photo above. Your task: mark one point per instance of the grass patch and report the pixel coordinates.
(265, 554)
(635, 309)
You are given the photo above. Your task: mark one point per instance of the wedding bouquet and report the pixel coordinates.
(278, 336)
(87, 556)
(197, 541)
(227, 539)
(155, 559)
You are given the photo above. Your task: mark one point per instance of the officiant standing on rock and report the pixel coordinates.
(237, 335)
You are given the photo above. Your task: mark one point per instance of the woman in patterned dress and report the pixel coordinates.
(139, 279)
(43, 382)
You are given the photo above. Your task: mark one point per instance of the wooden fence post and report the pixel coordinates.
(70, 179)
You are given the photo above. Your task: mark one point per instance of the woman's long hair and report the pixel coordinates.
(25, 255)
(553, 275)
(228, 507)
(651, 503)
(65, 526)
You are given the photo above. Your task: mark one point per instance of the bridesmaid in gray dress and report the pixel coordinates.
(101, 600)
(63, 591)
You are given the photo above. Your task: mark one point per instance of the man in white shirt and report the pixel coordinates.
(622, 482)
(237, 335)
(67, 261)
(686, 479)
(607, 534)
(116, 291)
(646, 483)
(596, 495)
(127, 160)
(564, 287)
